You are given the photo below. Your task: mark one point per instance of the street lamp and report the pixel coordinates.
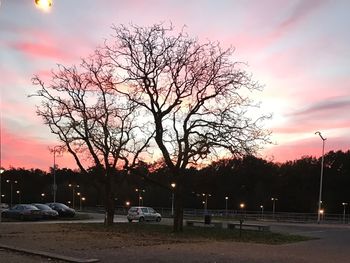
(206, 202)
(11, 188)
(43, 196)
(19, 196)
(73, 186)
(262, 211)
(344, 211)
(54, 150)
(173, 185)
(321, 178)
(1, 171)
(78, 194)
(140, 191)
(321, 213)
(242, 206)
(226, 201)
(273, 199)
(82, 200)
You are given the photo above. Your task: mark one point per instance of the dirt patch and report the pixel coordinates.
(82, 240)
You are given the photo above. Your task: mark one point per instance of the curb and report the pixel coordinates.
(48, 254)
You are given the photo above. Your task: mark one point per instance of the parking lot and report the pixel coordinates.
(331, 245)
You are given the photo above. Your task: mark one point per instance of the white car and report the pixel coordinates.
(142, 213)
(3, 206)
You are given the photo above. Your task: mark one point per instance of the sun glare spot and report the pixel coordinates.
(44, 5)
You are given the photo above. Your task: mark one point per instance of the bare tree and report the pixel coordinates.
(94, 123)
(195, 94)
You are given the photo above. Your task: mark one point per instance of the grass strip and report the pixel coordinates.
(148, 231)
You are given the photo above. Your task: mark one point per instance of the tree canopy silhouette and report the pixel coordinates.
(195, 94)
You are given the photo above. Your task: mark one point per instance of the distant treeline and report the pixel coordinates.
(251, 180)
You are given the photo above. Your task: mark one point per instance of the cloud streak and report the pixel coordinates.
(339, 104)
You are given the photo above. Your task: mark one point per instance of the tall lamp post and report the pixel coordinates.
(11, 188)
(140, 191)
(173, 185)
(73, 186)
(19, 196)
(54, 150)
(321, 178)
(344, 211)
(273, 199)
(81, 198)
(206, 202)
(226, 201)
(1, 171)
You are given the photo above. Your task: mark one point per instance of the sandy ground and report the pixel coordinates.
(123, 247)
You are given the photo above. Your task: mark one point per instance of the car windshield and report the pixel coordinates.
(133, 209)
(30, 207)
(59, 205)
(42, 206)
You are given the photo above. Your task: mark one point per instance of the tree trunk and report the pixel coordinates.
(109, 200)
(179, 210)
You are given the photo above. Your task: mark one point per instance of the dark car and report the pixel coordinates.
(62, 209)
(22, 212)
(46, 211)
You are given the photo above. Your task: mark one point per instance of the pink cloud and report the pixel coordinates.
(307, 147)
(38, 50)
(44, 44)
(21, 151)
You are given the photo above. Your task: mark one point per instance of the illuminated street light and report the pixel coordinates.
(273, 199)
(1, 171)
(11, 187)
(321, 178)
(73, 186)
(140, 191)
(19, 196)
(321, 213)
(44, 5)
(54, 150)
(242, 205)
(173, 185)
(226, 201)
(206, 202)
(262, 211)
(344, 211)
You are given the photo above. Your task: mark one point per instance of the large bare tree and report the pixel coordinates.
(94, 123)
(196, 95)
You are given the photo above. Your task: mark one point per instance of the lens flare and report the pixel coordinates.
(44, 5)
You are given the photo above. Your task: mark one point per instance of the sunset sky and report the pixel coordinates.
(298, 49)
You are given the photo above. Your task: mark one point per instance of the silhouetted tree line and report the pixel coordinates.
(251, 180)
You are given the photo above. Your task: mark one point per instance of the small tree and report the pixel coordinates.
(195, 94)
(94, 123)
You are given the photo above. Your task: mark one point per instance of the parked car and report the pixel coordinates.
(4, 206)
(142, 213)
(62, 209)
(22, 212)
(46, 211)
